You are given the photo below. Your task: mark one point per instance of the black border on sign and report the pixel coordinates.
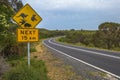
(27, 41)
(32, 9)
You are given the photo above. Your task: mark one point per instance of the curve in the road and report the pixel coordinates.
(97, 53)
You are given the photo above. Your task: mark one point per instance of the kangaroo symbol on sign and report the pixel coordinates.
(23, 15)
(33, 18)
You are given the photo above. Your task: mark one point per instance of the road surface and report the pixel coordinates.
(105, 61)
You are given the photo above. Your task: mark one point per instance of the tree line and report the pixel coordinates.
(45, 33)
(107, 36)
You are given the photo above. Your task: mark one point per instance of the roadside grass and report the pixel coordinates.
(21, 71)
(93, 47)
(101, 74)
(87, 46)
(32, 49)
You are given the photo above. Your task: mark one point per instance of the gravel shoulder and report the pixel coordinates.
(57, 69)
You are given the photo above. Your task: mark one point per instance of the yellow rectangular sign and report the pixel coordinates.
(27, 35)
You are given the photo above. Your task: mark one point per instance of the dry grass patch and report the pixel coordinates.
(56, 68)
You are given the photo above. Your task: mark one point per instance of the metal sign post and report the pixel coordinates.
(28, 53)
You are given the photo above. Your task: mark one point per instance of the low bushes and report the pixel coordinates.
(4, 67)
(37, 71)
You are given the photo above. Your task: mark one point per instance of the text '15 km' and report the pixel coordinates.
(27, 35)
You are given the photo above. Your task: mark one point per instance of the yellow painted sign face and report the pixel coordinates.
(27, 17)
(27, 35)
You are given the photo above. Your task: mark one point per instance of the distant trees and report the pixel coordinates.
(108, 36)
(78, 36)
(44, 33)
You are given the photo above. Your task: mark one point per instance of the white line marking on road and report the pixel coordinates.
(85, 50)
(83, 61)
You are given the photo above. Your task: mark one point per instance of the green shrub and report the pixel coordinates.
(62, 39)
(33, 49)
(37, 71)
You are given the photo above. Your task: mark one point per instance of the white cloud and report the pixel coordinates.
(73, 4)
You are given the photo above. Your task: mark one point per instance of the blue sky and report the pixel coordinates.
(75, 14)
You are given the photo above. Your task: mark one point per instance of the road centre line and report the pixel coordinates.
(82, 61)
(85, 50)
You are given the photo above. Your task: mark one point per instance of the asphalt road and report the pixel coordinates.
(105, 61)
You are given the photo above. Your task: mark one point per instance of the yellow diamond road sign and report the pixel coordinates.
(27, 17)
(27, 35)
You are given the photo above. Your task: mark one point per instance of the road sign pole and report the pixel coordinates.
(27, 18)
(28, 53)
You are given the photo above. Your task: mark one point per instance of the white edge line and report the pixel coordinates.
(82, 61)
(85, 50)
